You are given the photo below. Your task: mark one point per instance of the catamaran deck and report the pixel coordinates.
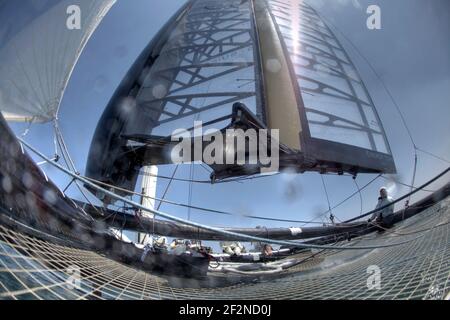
(420, 269)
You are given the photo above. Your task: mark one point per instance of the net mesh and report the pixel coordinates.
(31, 268)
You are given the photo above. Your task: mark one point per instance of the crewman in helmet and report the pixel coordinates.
(383, 217)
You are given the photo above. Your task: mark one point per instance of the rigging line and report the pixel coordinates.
(360, 196)
(249, 177)
(222, 231)
(108, 216)
(191, 176)
(440, 175)
(55, 142)
(328, 198)
(439, 223)
(204, 167)
(174, 179)
(167, 187)
(243, 178)
(114, 218)
(121, 228)
(81, 190)
(27, 129)
(413, 176)
(433, 155)
(164, 194)
(159, 204)
(63, 145)
(200, 208)
(349, 197)
(70, 165)
(67, 187)
(191, 169)
(405, 184)
(238, 179)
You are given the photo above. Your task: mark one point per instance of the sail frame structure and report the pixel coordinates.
(214, 40)
(39, 50)
(213, 55)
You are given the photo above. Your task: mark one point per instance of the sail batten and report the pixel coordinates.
(39, 54)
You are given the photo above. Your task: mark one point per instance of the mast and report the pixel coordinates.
(148, 191)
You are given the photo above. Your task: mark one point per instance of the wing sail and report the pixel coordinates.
(273, 62)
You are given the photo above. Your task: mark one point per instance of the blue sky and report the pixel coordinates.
(411, 53)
